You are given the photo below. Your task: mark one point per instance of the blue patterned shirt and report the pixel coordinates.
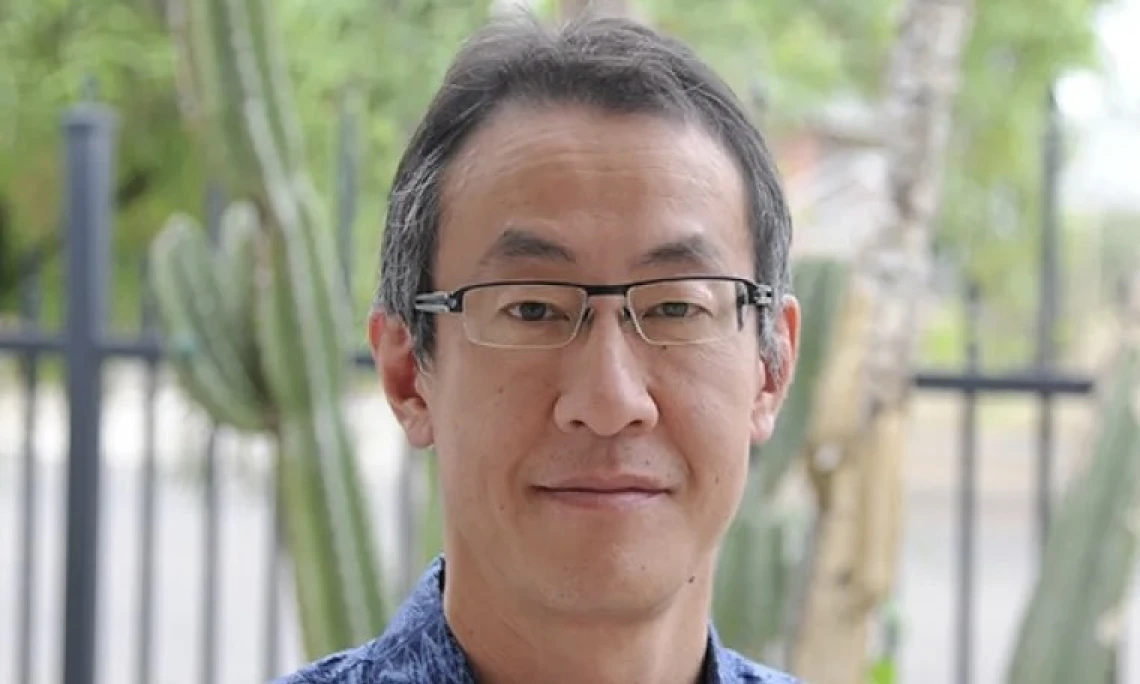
(419, 648)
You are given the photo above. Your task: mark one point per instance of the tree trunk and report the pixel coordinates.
(855, 460)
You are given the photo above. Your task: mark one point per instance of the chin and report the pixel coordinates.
(613, 579)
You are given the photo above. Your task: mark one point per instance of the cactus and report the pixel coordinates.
(753, 580)
(757, 561)
(260, 331)
(818, 284)
(1078, 607)
(219, 369)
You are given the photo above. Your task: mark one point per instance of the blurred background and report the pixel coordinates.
(172, 544)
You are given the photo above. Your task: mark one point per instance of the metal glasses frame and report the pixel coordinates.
(451, 301)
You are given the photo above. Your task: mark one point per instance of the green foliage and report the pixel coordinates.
(884, 667)
(883, 671)
(804, 56)
(53, 51)
(991, 211)
(788, 58)
(383, 59)
(49, 49)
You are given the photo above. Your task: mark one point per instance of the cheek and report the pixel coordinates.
(489, 414)
(706, 401)
(482, 394)
(713, 388)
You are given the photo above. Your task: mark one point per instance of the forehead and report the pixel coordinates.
(590, 194)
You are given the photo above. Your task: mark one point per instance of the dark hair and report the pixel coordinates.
(614, 64)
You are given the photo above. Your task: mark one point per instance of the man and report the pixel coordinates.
(583, 309)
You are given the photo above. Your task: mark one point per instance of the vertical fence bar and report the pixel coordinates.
(90, 140)
(210, 562)
(215, 205)
(273, 572)
(1048, 294)
(967, 492)
(147, 504)
(29, 372)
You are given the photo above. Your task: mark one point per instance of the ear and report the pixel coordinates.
(400, 376)
(774, 386)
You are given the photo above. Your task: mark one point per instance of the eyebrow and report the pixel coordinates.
(518, 243)
(695, 251)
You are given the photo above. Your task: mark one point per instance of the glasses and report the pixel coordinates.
(548, 314)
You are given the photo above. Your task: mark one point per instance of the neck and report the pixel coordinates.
(508, 641)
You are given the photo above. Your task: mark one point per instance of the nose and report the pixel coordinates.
(604, 386)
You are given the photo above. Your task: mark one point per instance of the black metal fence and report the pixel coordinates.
(86, 348)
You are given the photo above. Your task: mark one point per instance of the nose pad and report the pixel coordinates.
(587, 318)
(626, 316)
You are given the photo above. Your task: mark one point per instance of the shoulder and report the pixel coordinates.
(370, 663)
(416, 647)
(736, 669)
(345, 667)
(386, 660)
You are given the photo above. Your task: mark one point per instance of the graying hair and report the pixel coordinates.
(614, 64)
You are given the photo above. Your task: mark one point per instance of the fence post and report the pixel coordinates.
(967, 489)
(90, 131)
(1048, 307)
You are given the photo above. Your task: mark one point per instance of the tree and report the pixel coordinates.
(55, 52)
(381, 60)
(993, 187)
(792, 59)
(857, 467)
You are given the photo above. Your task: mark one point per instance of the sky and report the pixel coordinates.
(1117, 90)
(1120, 29)
(1103, 171)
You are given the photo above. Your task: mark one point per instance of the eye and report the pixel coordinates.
(532, 311)
(673, 310)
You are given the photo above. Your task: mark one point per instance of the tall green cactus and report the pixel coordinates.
(819, 284)
(260, 331)
(758, 560)
(1079, 604)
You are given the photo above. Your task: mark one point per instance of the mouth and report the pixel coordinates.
(615, 494)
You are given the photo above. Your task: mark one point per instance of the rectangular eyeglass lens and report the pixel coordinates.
(686, 310)
(522, 315)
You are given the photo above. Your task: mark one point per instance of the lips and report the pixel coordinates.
(610, 493)
(616, 484)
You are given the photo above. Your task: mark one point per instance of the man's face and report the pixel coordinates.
(545, 454)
